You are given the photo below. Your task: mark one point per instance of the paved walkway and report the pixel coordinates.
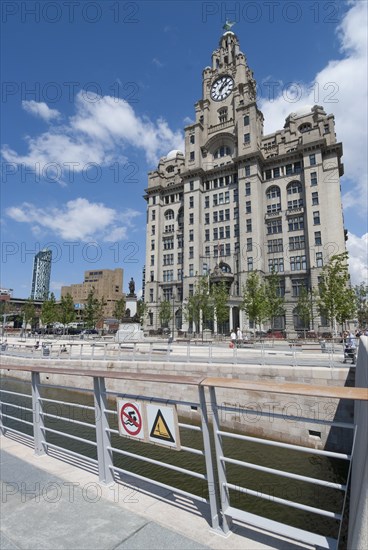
(51, 504)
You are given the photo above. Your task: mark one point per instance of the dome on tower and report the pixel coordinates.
(173, 154)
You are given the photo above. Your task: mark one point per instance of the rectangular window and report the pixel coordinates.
(298, 263)
(276, 207)
(151, 295)
(180, 274)
(215, 202)
(215, 234)
(316, 218)
(191, 184)
(236, 212)
(249, 226)
(236, 230)
(191, 219)
(207, 202)
(207, 218)
(180, 241)
(191, 252)
(191, 235)
(168, 243)
(247, 138)
(312, 160)
(207, 235)
(235, 196)
(191, 290)
(274, 226)
(227, 249)
(221, 232)
(295, 203)
(152, 260)
(215, 217)
(297, 167)
(207, 251)
(227, 232)
(297, 243)
(289, 169)
(326, 129)
(319, 259)
(153, 215)
(152, 276)
(276, 264)
(297, 285)
(250, 264)
(153, 230)
(192, 138)
(248, 207)
(221, 216)
(296, 223)
(153, 200)
(249, 244)
(315, 198)
(191, 270)
(152, 245)
(317, 238)
(268, 174)
(275, 245)
(246, 120)
(192, 155)
(227, 214)
(191, 202)
(313, 178)
(180, 257)
(276, 172)
(247, 170)
(247, 189)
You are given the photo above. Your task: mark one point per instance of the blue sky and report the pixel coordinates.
(94, 93)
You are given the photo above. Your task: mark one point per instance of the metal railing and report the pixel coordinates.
(262, 352)
(112, 459)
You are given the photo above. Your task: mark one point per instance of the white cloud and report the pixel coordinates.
(78, 219)
(341, 88)
(40, 109)
(157, 62)
(99, 132)
(358, 258)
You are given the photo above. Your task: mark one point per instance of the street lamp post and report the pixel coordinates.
(173, 314)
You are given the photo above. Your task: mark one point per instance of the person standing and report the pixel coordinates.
(239, 337)
(233, 339)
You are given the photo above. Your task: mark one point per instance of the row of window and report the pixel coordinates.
(222, 181)
(295, 223)
(280, 171)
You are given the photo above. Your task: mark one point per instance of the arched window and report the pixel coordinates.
(225, 268)
(169, 214)
(295, 187)
(170, 168)
(306, 127)
(273, 192)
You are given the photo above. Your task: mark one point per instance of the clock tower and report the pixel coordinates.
(236, 201)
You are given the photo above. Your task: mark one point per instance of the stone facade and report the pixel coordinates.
(239, 201)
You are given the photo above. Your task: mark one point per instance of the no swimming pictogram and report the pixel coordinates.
(130, 419)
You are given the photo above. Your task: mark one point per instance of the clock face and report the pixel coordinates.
(222, 87)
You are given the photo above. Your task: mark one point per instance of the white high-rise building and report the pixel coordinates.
(237, 200)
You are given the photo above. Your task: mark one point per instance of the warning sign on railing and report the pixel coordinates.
(130, 419)
(149, 423)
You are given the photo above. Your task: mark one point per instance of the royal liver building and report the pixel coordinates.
(237, 200)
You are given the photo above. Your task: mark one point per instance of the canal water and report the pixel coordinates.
(310, 465)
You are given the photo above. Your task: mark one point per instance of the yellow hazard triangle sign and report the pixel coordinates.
(160, 429)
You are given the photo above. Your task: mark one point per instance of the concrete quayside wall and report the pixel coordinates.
(257, 413)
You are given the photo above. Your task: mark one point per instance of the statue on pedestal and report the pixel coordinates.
(131, 287)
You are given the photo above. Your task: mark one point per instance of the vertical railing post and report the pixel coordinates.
(211, 482)
(210, 352)
(103, 437)
(221, 469)
(93, 350)
(38, 420)
(188, 351)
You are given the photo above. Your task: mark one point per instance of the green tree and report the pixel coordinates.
(164, 313)
(29, 312)
(220, 295)
(361, 300)
(66, 310)
(119, 309)
(304, 307)
(336, 299)
(49, 312)
(199, 306)
(254, 299)
(275, 302)
(141, 311)
(93, 309)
